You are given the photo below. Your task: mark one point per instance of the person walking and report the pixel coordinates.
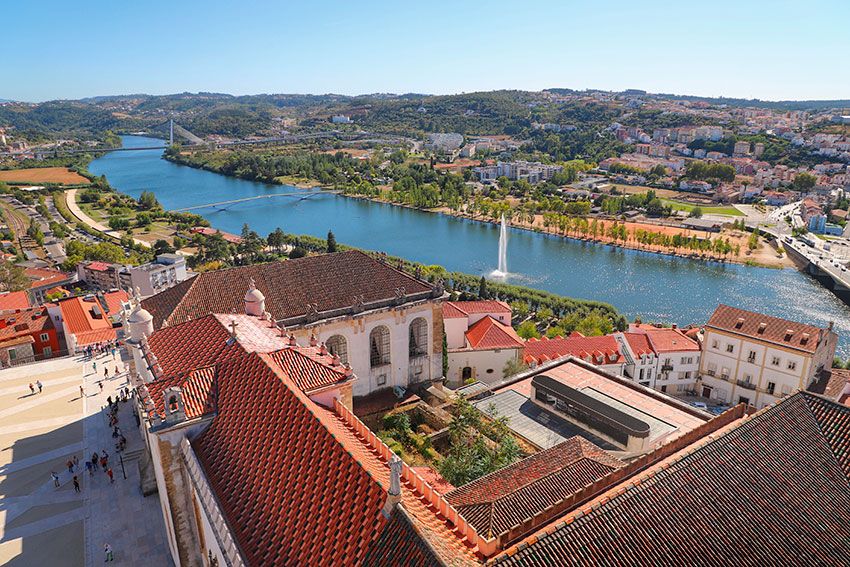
(94, 366)
(82, 392)
(39, 384)
(70, 465)
(94, 460)
(100, 383)
(109, 474)
(76, 463)
(76, 484)
(32, 390)
(89, 468)
(106, 372)
(55, 479)
(107, 549)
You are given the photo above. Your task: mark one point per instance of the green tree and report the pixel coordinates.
(482, 288)
(148, 202)
(13, 277)
(331, 242)
(528, 330)
(804, 181)
(34, 232)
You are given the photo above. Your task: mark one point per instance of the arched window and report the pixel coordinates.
(339, 346)
(418, 338)
(379, 346)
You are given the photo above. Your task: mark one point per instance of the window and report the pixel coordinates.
(688, 375)
(775, 361)
(724, 373)
(379, 347)
(792, 365)
(743, 400)
(715, 344)
(711, 370)
(339, 346)
(684, 360)
(730, 348)
(13, 354)
(418, 338)
(382, 380)
(664, 389)
(44, 337)
(47, 351)
(748, 378)
(752, 356)
(771, 387)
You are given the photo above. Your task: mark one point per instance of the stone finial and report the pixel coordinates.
(313, 340)
(394, 492)
(292, 341)
(335, 360)
(323, 349)
(358, 304)
(233, 324)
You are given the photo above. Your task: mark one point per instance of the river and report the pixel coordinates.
(651, 286)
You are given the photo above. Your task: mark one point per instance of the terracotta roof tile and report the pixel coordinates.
(41, 277)
(601, 350)
(831, 383)
(12, 300)
(198, 392)
(495, 503)
(330, 282)
(669, 340)
(25, 321)
(86, 320)
(488, 334)
(771, 489)
(457, 309)
(639, 343)
(194, 344)
(764, 327)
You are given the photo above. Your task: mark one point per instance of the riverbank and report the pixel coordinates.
(639, 236)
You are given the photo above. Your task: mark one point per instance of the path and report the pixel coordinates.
(71, 201)
(44, 525)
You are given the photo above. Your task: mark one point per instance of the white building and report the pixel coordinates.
(752, 358)
(480, 340)
(444, 142)
(383, 322)
(677, 358)
(341, 119)
(166, 271)
(533, 172)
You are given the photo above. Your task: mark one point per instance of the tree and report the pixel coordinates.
(147, 201)
(276, 239)
(13, 277)
(34, 232)
(297, 252)
(513, 367)
(482, 288)
(696, 212)
(163, 247)
(528, 330)
(804, 181)
(331, 242)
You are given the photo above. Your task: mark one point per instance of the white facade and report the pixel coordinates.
(403, 364)
(486, 366)
(736, 369)
(154, 277)
(677, 371)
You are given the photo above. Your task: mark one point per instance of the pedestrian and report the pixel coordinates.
(109, 474)
(106, 372)
(76, 484)
(82, 392)
(109, 400)
(113, 353)
(76, 463)
(89, 468)
(70, 464)
(55, 479)
(107, 549)
(94, 366)
(94, 460)
(100, 383)
(32, 390)
(39, 384)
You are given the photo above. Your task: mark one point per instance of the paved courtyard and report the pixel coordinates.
(41, 524)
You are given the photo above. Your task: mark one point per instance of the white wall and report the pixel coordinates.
(455, 329)
(487, 365)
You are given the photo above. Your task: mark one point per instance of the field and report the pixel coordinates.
(60, 175)
(706, 209)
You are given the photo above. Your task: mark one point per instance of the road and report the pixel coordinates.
(71, 201)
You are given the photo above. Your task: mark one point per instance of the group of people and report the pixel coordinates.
(102, 348)
(38, 385)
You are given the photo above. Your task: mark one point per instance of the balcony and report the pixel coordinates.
(667, 368)
(746, 384)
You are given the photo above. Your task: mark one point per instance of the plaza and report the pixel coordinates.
(41, 524)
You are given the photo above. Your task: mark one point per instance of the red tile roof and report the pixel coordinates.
(831, 383)
(98, 266)
(198, 392)
(489, 334)
(499, 501)
(602, 350)
(460, 309)
(310, 369)
(271, 449)
(86, 320)
(769, 490)
(114, 300)
(42, 277)
(328, 283)
(11, 300)
(669, 340)
(639, 343)
(194, 344)
(24, 322)
(766, 328)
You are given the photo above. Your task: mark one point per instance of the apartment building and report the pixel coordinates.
(166, 271)
(533, 172)
(757, 359)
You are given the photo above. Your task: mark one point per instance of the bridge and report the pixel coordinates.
(224, 205)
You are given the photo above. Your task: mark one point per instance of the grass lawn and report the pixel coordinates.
(707, 210)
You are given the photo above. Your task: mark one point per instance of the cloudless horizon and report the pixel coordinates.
(770, 50)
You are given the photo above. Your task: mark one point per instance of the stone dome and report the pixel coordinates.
(140, 323)
(255, 301)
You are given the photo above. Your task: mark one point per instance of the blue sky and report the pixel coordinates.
(766, 49)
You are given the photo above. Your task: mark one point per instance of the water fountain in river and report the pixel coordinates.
(502, 270)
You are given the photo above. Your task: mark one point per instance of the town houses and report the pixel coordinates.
(248, 408)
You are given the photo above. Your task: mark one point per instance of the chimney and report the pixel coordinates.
(394, 493)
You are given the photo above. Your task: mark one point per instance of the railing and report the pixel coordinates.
(746, 384)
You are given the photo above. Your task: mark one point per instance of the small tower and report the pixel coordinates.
(255, 301)
(175, 411)
(394, 493)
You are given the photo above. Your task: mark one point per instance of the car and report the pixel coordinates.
(700, 405)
